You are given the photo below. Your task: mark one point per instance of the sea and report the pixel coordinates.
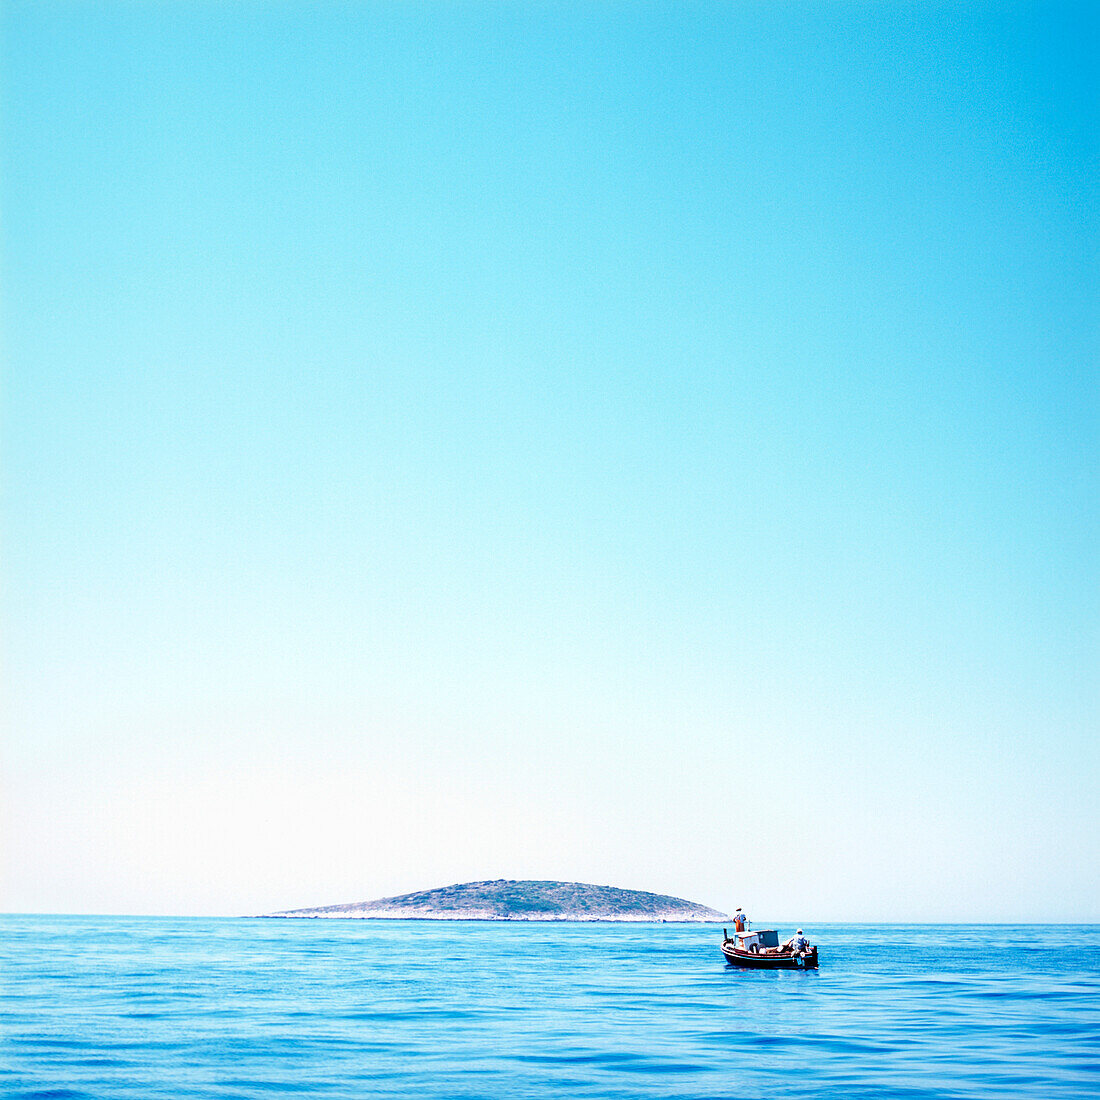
(98, 1008)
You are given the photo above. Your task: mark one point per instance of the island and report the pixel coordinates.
(527, 900)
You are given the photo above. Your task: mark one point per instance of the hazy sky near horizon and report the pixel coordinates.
(647, 444)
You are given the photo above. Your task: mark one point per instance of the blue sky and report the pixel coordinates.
(643, 444)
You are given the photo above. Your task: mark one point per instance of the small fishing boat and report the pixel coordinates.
(760, 950)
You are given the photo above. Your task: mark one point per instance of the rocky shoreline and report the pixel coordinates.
(521, 900)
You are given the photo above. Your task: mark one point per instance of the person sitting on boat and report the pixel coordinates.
(740, 921)
(799, 943)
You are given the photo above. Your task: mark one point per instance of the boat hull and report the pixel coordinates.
(751, 961)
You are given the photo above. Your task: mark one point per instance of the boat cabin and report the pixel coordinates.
(758, 940)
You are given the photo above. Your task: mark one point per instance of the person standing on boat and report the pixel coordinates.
(740, 921)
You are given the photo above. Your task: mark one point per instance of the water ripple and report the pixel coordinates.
(148, 1009)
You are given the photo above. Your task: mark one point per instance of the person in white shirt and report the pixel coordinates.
(799, 943)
